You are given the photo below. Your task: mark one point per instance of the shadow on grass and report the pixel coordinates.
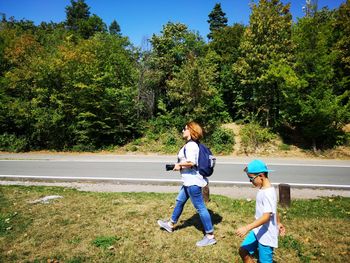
(197, 223)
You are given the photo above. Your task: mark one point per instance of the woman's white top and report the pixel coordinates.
(190, 176)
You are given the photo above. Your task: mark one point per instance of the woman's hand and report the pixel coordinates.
(177, 167)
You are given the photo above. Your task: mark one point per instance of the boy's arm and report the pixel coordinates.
(242, 231)
(281, 228)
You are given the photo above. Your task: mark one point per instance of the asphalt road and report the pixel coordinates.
(318, 173)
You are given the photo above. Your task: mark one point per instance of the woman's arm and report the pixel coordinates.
(191, 152)
(183, 165)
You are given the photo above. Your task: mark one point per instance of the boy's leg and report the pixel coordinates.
(181, 200)
(245, 256)
(265, 254)
(248, 247)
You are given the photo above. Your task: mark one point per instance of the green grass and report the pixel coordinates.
(121, 227)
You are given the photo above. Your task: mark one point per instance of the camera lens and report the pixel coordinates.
(169, 167)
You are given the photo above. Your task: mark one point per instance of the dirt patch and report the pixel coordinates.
(346, 128)
(275, 149)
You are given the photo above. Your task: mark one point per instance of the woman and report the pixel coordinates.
(192, 186)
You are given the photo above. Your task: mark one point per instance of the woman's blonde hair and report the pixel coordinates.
(196, 130)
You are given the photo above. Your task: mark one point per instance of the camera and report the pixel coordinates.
(169, 167)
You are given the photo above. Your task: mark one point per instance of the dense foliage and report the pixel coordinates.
(75, 85)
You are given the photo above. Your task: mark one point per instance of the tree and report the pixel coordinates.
(114, 28)
(75, 13)
(226, 43)
(318, 112)
(341, 48)
(79, 20)
(170, 51)
(217, 20)
(78, 95)
(193, 92)
(92, 25)
(98, 92)
(266, 43)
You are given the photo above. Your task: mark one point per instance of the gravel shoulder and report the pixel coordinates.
(235, 192)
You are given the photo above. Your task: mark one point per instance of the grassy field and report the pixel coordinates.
(122, 227)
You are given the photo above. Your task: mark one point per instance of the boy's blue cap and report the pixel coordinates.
(257, 166)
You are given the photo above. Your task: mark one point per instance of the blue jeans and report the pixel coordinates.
(195, 193)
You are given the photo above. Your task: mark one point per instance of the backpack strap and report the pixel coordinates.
(195, 166)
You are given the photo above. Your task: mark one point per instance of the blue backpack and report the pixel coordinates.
(206, 160)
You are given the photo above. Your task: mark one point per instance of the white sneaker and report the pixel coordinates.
(165, 225)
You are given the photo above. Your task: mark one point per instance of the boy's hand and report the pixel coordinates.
(242, 231)
(281, 229)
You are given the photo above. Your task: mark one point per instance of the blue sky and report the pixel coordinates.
(140, 19)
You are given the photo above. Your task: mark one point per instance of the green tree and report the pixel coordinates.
(318, 112)
(217, 20)
(114, 28)
(21, 52)
(75, 13)
(80, 95)
(101, 68)
(193, 92)
(78, 20)
(266, 43)
(226, 43)
(170, 51)
(89, 27)
(341, 48)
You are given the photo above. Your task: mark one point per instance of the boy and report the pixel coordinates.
(263, 232)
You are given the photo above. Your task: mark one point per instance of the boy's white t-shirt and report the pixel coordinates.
(191, 176)
(266, 202)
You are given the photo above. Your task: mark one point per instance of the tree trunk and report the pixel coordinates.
(314, 147)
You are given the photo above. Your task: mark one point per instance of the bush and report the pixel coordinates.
(221, 141)
(284, 147)
(171, 141)
(253, 136)
(84, 148)
(162, 123)
(11, 143)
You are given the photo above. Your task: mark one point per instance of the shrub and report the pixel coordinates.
(11, 143)
(171, 140)
(84, 147)
(221, 141)
(253, 136)
(284, 147)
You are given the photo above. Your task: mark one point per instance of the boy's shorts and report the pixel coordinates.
(251, 244)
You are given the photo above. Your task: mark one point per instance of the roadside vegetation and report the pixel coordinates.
(231, 139)
(81, 85)
(122, 227)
